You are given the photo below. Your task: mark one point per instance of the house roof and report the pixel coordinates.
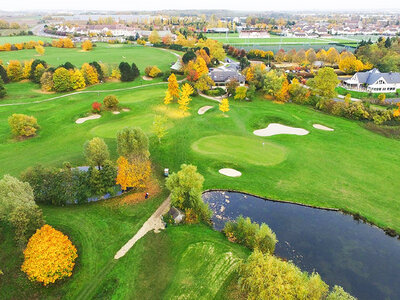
(218, 75)
(373, 75)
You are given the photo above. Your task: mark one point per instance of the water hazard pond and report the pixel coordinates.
(359, 257)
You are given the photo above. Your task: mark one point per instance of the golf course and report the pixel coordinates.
(350, 169)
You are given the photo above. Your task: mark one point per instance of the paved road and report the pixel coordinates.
(153, 223)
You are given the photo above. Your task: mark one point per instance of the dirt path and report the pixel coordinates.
(153, 223)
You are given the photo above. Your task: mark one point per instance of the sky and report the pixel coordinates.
(255, 5)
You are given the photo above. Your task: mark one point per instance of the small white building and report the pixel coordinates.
(254, 34)
(374, 81)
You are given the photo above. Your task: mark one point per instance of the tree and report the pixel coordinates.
(77, 79)
(40, 49)
(154, 37)
(96, 152)
(133, 174)
(126, 72)
(3, 91)
(17, 206)
(14, 70)
(26, 72)
(204, 83)
(135, 70)
(3, 74)
(265, 276)
(46, 81)
(173, 86)
(159, 127)
(34, 64)
(297, 92)
(325, 82)
(23, 125)
(186, 187)
(338, 293)
(231, 86)
(38, 72)
(311, 55)
(99, 70)
(332, 56)
(110, 102)
(283, 93)
(381, 98)
(154, 72)
(240, 93)
(168, 98)
(188, 56)
(90, 74)
(273, 83)
(347, 99)
(224, 106)
(49, 256)
(133, 143)
(87, 45)
(200, 66)
(62, 80)
(184, 99)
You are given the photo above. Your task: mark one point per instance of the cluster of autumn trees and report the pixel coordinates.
(180, 95)
(153, 71)
(384, 54)
(21, 46)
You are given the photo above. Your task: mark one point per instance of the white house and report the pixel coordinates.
(256, 34)
(374, 81)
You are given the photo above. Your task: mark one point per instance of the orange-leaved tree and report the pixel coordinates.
(133, 174)
(173, 86)
(49, 256)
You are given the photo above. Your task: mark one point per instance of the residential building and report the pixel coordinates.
(374, 81)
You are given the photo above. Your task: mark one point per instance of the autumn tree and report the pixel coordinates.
(324, 83)
(154, 72)
(311, 55)
(49, 256)
(87, 45)
(283, 93)
(168, 98)
(173, 86)
(22, 125)
(77, 79)
(231, 86)
(18, 208)
(240, 93)
(62, 80)
(40, 50)
(14, 70)
(154, 37)
(381, 98)
(111, 102)
(224, 106)
(200, 66)
(273, 83)
(38, 72)
(184, 99)
(159, 127)
(332, 56)
(46, 81)
(204, 83)
(34, 65)
(90, 74)
(133, 174)
(297, 92)
(27, 69)
(96, 152)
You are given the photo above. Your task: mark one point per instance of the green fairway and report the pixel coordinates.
(111, 54)
(22, 38)
(241, 150)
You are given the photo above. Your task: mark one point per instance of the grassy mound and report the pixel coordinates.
(241, 150)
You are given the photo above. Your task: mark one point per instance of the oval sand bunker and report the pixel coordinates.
(275, 128)
(322, 127)
(202, 110)
(230, 172)
(83, 120)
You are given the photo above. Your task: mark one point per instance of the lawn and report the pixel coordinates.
(363, 95)
(22, 38)
(111, 54)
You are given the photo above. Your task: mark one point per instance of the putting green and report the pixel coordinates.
(241, 150)
(110, 129)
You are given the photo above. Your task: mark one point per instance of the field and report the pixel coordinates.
(350, 168)
(23, 38)
(111, 54)
(233, 39)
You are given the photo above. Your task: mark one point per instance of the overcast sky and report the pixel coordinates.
(255, 5)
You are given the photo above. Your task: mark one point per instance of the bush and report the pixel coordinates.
(96, 107)
(3, 74)
(152, 71)
(49, 256)
(110, 102)
(3, 91)
(23, 125)
(251, 235)
(216, 92)
(62, 80)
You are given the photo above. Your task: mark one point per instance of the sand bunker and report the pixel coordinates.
(275, 128)
(322, 127)
(116, 112)
(230, 172)
(83, 120)
(203, 109)
(125, 109)
(147, 78)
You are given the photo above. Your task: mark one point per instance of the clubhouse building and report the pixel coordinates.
(374, 81)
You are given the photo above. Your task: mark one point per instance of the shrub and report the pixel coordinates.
(87, 45)
(251, 235)
(155, 72)
(126, 72)
(23, 125)
(14, 70)
(62, 80)
(110, 102)
(147, 70)
(3, 91)
(34, 64)
(46, 81)
(3, 74)
(49, 256)
(96, 107)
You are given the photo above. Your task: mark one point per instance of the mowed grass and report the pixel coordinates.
(111, 54)
(351, 168)
(181, 262)
(21, 38)
(241, 150)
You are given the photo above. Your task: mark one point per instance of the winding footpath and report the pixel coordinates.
(153, 223)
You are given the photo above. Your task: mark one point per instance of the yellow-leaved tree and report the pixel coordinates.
(184, 99)
(168, 98)
(200, 66)
(224, 106)
(90, 74)
(77, 79)
(49, 256)
(27, 69)
(173, 86)
(14, 70)
(133, 174)
(87, 45)
(40, 49)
